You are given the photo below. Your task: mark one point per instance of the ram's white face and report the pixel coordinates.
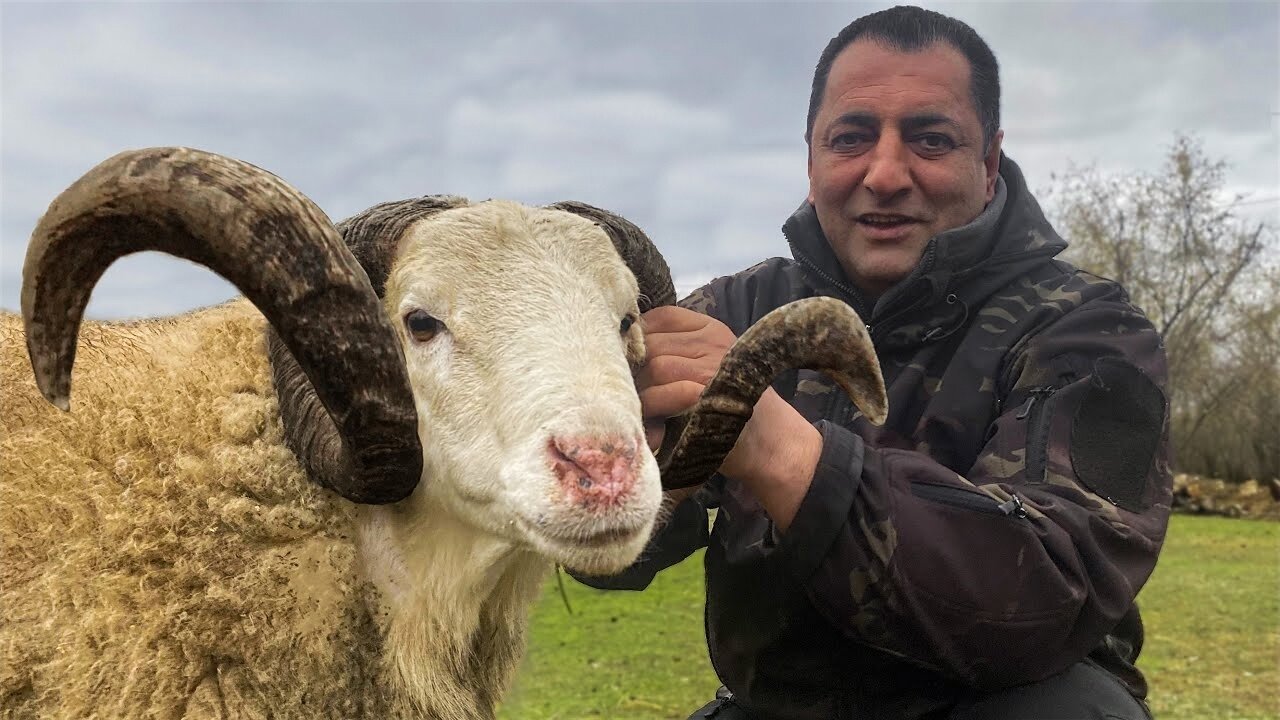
(518, 327)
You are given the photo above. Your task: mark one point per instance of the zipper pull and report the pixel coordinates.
(1013, 506)
(1036, 394)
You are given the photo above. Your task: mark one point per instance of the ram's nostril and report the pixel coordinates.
(593, 472)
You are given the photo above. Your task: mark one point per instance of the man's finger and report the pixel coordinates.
(667, 368)
(694, 344)
(663, 401)
(673, 318)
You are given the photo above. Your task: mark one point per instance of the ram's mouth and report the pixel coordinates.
(614, 536)
(591, 539)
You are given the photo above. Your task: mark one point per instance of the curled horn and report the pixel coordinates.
(822, 334)
(818, 333)
(637, 251)
(276, 247)
(373, 237)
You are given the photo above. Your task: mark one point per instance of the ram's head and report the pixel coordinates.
(520, 329)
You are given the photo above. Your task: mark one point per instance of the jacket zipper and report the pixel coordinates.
(852, 295)
(922, 268)
(969, 499)
(1036, 413)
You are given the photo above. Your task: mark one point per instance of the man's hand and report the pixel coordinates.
(683, 351)
(778, 450)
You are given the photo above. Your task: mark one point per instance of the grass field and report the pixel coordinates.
(1212, 614)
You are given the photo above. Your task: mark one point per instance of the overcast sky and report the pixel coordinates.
(685, 117)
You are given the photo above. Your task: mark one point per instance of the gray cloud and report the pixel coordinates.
(687, 118)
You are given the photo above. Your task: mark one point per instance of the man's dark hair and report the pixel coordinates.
(910, 29)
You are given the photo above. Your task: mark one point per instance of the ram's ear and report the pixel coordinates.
(637, 251)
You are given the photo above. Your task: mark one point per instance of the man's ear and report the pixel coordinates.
(992, 162)
(809, 169)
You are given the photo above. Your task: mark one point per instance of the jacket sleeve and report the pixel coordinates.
(1017, 569)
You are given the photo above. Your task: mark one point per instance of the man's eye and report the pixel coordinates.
(933, 143)
(421, 326)
(848, 141)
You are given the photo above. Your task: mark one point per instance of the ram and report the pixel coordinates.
(339, 495)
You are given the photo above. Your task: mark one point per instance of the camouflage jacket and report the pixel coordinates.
(993, 532)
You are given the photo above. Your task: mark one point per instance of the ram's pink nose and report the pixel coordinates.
(595, 473)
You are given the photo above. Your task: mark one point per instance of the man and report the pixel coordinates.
(978, 555)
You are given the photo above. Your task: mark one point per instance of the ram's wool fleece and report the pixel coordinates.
(174, 514)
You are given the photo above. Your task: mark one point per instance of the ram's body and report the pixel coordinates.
(178, 561)
(165, 552)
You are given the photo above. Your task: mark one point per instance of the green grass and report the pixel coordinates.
(1212, 616)
(1212, 613)
(620, 655)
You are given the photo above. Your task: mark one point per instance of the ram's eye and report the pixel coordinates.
(421, 326)
(627, 321)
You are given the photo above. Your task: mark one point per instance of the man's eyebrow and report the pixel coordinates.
(860, 119)
(910, 123)
(920, 122)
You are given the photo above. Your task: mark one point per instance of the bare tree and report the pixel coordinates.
(1207, 278)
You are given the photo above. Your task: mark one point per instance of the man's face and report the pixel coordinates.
(896, 157)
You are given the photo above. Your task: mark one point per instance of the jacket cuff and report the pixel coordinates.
(826, 506)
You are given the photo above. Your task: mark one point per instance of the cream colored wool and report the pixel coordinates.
(177, 525)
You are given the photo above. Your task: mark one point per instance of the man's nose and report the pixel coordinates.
(888, 174)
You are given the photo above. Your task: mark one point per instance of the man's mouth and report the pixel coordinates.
(884, 220)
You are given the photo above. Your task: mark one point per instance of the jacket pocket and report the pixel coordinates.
(975, 500)
(1038, 414)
